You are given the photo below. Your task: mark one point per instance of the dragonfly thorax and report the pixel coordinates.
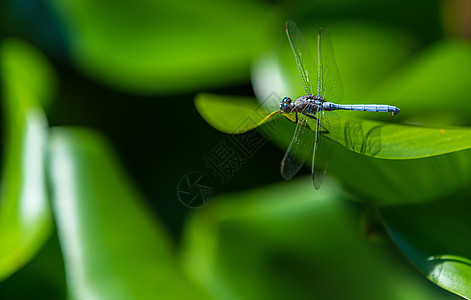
(307, 103)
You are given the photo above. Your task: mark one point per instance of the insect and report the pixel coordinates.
(313, 111)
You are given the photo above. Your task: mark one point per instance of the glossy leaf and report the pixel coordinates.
(258, 245)
(113, 247)
(231, 114)
(395, 141)
(161, 46)
(25, 218)
(436, 238)
(372, 138)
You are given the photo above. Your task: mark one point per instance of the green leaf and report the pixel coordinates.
(112, 245)
(257, 245)
(25, 217)
(388, 182)
(230, 114)
(372, 138)
(436, 238)
(401, 141)
(161, 46)
(436, 75)
(385, 163)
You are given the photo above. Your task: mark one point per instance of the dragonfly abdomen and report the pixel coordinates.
(362, 107)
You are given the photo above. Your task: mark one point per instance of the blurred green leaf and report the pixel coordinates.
(41, 278)
(25, 217)
(373, 138)
(286, 241)
(113, 246)
(162, 46)
(367, 54)
(436, 238)
(435, 80)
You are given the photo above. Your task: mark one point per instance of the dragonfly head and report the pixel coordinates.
(286, 105)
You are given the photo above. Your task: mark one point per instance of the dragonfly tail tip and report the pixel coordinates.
(396, 111)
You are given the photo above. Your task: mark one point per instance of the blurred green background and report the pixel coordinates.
(101, 131)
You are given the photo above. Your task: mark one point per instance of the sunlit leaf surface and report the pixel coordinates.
(231, 114)
(113, 247)
(25, 219)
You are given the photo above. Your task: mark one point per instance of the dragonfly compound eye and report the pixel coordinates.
(286, 105)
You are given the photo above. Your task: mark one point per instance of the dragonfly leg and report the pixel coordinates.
(296, 121)
(311, 116)
(322, 131)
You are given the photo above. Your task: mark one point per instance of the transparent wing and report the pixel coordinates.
(353, 132)
(372, 143)
(300, 149)
(304, 59)
(327, 128)
(331, 88)
(355, 140)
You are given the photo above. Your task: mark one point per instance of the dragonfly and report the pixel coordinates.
(315, 120)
